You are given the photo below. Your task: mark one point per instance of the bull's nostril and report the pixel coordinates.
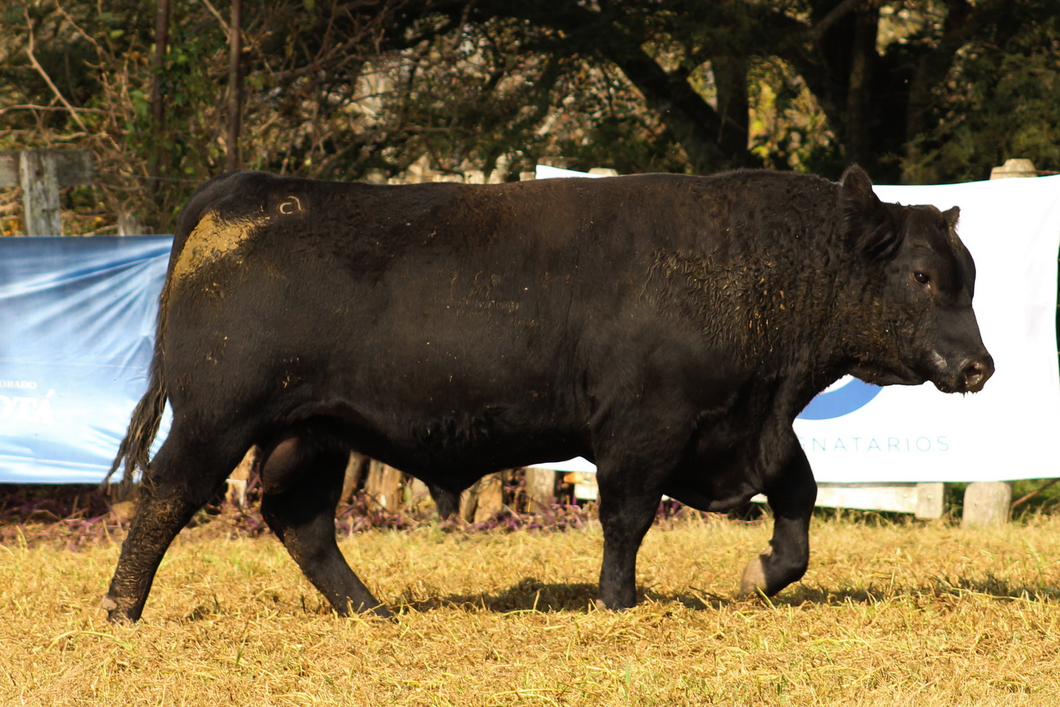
(975, 375)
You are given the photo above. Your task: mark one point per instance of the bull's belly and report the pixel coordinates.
(720, 479)
(453, 451)
(711, 499)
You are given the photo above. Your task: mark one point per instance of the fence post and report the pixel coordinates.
(40, 173)
(988, 502)
(540, 489)
(40, 193)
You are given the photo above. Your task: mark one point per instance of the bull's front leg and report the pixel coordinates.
(791, 495)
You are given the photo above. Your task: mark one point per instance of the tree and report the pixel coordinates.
(873, 67)
(913, 90)
(999, 101)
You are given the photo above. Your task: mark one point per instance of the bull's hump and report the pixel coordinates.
(214, 238)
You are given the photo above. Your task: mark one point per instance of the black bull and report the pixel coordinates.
(668, 328)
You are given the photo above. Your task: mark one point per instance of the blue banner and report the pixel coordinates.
(77, 324)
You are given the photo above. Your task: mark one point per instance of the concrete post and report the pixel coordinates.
(1014, 168)
(929, 498)
(988, 502)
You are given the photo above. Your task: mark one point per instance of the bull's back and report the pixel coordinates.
(513, 262)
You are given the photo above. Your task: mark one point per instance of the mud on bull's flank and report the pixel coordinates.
(212, 239)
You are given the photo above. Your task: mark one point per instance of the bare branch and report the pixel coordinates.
(77, 27)
(47, 79)
(220, 19)
(33, 107)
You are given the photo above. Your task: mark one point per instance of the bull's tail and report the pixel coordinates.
(135, 449)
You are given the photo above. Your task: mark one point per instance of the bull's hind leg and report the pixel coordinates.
(302, 484)
(183, 477)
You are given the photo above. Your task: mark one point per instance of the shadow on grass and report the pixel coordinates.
(526, 595)
(939, 588)
(530, 594)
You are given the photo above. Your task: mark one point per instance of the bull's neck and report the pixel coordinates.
(781, 309)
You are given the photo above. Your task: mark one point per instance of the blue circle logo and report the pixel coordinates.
(842, 400)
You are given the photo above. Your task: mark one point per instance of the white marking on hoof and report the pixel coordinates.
(754, 579)
(754, 576)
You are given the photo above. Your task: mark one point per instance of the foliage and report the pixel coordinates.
(99, 64)
(788, 128)
(1000, 101)
(931, 90)
(74, 516)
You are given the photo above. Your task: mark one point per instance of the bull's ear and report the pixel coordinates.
(952, 216)
(868, 225)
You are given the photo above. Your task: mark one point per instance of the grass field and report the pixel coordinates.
(890, 613)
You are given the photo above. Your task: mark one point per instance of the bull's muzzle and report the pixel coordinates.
(974, 373)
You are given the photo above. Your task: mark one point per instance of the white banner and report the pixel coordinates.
(1012, 228)
(857, 433)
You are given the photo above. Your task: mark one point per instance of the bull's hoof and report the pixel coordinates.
(114, 613)
(380, 611)
(365, 609)
(614, 604)
(754, 581)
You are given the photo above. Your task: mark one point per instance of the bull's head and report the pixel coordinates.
(920, 279)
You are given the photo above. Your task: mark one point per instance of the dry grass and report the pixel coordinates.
(896, 614)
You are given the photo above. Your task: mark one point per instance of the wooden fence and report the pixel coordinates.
(388, 489)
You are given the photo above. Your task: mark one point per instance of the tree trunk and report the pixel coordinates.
(931, 70)
(858, 133)
(540, 489)
(384, 486)
(485, 499)
(155, 166)
(730, 80)
(419, 495)
(235, 84)
(237, 481)
(356, 467)
(689, 118)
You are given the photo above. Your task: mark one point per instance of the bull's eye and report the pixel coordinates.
(922, 277)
